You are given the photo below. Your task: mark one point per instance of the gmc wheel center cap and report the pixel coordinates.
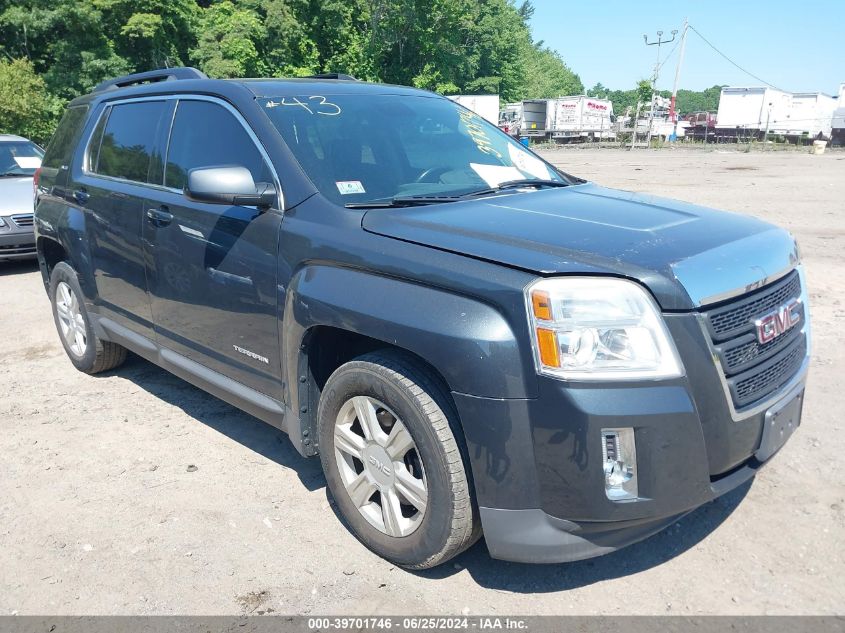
(378, 465)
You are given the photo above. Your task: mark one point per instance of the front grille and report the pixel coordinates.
(753, 370)
(727, 320)
(761, 382)
(16, 250)
(23, 219)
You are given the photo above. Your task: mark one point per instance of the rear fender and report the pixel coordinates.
(65, 225)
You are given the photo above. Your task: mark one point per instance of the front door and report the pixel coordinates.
(212, 268)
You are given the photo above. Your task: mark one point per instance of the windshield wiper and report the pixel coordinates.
(516, 184)
(418, 201)
(402, 201)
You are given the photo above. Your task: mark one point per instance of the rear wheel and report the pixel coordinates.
(87, 352)
(393, 462)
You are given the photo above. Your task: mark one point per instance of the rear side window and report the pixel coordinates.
(60, 149)
(206, 134)
(128, 141)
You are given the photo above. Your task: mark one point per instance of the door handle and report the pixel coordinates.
(81, 196)
(159, 217)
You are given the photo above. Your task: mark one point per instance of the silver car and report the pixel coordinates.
(19, 159)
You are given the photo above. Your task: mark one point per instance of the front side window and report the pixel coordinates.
(205, 134)
(128, 141)
(19, 158)
(359, 148)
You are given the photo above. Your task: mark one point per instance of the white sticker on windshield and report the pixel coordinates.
(28, 162)
(495, 175)
(346, 187)
(527, 163)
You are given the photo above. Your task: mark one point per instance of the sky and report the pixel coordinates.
(795, 46)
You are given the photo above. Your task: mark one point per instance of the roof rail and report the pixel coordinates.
(151, 76)
(331, 76)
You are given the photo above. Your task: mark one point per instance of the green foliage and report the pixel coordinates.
(229, 41)
(25, 107)
(688, 100)
(449, 46)
(548, 76)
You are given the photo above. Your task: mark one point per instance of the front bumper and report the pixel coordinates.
(537, 464)
(16, 242)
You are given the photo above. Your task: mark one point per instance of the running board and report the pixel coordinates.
(254, 402)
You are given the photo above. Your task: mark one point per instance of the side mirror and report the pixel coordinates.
(230, 185)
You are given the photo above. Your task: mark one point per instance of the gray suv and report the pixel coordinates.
(469, 339)
(19, 160)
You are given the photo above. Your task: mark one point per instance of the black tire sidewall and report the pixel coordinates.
(63, 272)
(431, 536)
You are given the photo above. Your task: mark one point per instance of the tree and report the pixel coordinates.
(65, 41)
(150, 33)
(598, 91)
(548, 76)
(450, 46)
(229, 41)
(644, 91)
(25, 107)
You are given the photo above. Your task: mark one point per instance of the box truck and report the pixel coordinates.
(568, 118)
(486, 106)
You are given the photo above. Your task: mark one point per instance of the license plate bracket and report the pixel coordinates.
(779, 424)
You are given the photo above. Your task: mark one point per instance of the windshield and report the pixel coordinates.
(362, 148)
(19, 158)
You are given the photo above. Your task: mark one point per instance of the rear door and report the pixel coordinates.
(121, 164)
(212, 268)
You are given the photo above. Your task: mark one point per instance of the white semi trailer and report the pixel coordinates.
(749, 112)
(812, 115)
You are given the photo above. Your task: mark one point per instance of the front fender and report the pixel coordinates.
(469, 342)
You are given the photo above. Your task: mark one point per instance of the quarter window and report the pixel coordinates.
(128, 141)
(205, 134)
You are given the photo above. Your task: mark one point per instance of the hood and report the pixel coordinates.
(688, 256)
(16, 195)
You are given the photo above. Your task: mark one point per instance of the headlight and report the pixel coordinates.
(597, 328)
(2, 222)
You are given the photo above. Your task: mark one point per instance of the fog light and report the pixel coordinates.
(619, 455)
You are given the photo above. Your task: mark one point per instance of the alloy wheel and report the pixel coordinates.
(71, 321)
(380, 466)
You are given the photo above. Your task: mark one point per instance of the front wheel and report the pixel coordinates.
(393, 463)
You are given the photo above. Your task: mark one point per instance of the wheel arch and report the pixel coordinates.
(335, 314)
(60, 232)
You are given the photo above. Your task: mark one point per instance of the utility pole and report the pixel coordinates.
(673, 114)
(660, 41)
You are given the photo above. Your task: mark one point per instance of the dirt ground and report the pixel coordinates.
(103, 512)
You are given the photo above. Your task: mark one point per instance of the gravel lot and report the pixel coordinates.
(100, 513)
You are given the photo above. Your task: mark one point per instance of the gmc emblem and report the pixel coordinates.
(780, 320)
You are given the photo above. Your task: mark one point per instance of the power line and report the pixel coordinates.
(750, 74)
(668, 55)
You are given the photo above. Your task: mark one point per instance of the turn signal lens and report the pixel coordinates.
(36, 178)
(549, 350)
(542, 305)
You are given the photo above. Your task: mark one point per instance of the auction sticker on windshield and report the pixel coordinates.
(346, 187)
(528, 163)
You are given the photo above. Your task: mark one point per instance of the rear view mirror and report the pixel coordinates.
(231, 185)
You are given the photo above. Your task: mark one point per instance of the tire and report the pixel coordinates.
(88, 353)
(401, 391)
